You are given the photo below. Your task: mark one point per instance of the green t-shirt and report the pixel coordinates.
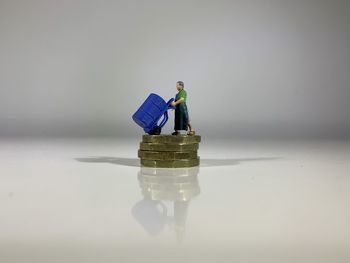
(182, 94)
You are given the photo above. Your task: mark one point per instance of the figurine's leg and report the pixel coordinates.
(175, 133)
(190, 125)
(191, 131)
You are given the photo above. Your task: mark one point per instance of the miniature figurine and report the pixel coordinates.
(182, 121)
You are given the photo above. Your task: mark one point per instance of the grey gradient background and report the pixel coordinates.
(253, 69)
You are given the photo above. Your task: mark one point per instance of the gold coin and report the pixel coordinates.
(151, 155)
(169, 147)
(170, 164)
(171, 138)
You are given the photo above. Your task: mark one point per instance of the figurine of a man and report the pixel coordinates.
(182, 121)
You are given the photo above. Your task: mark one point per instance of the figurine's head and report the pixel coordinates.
(180, 85)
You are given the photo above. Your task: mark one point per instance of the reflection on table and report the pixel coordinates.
(163, 188)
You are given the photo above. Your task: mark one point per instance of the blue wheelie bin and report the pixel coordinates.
(150, 112)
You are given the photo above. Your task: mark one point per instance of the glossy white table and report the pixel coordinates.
(87, 200)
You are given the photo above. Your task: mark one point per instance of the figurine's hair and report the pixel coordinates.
(181, 83)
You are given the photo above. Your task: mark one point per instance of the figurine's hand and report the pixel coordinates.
(173, 104)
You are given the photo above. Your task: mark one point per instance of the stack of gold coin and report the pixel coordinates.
(169, 151)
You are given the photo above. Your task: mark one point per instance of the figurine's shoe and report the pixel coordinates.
(175, 133)
(191, 133)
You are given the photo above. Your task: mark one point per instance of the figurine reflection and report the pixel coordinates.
(162, 188)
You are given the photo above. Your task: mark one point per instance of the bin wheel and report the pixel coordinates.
(155, 131)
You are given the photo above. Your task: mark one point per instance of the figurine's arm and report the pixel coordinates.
(174, 103)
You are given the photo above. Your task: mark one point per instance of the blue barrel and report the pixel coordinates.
(149, 113)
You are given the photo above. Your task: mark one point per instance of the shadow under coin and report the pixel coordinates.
(112, 160)
(229, 162)
(135, 162)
